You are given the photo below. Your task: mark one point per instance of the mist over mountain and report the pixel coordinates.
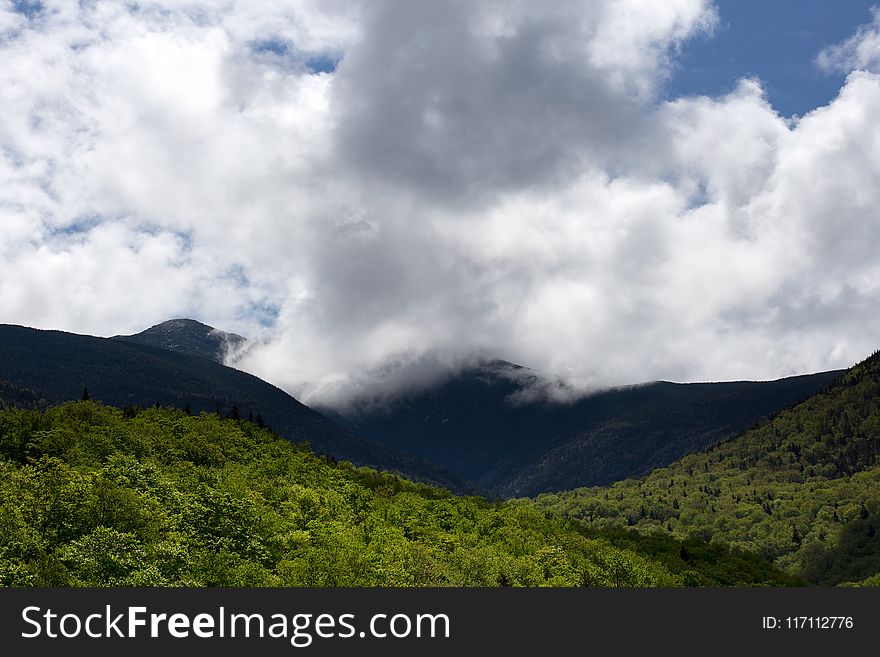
(502, 424)
(512, 430)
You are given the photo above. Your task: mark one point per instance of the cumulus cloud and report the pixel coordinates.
(861, 51)
(378, 193)
(458, 101)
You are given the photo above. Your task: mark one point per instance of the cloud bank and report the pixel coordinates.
(377, 191)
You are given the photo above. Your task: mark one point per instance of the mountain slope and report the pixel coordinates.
(189, 337)
(11, 396)
(92, 496)
(120, 373)
(803, 488)
(469, 424)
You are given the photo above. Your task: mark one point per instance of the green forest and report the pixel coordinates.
(802, 489)
(92, 495)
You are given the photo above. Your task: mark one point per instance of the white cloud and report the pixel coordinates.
(860, 52)
(475, 179)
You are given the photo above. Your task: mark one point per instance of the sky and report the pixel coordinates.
(377, 193)
(775, 41)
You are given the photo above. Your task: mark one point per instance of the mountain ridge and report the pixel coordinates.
(188, 336)
(480, 423)
(59, 365)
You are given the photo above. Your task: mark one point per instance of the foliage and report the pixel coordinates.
(130, 375)
(94, 496)
(803, 489)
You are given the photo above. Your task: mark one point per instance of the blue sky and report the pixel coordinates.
(775, 40)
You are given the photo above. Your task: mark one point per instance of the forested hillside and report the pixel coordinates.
(61, 365)
(92, 495)
(12, 396)
(467, 433)
(803, 488)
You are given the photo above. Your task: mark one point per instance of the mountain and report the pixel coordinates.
(189, 337)
(803, 488)
(11, 396)
(127, 374)
(480, 424)
(93, 496)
